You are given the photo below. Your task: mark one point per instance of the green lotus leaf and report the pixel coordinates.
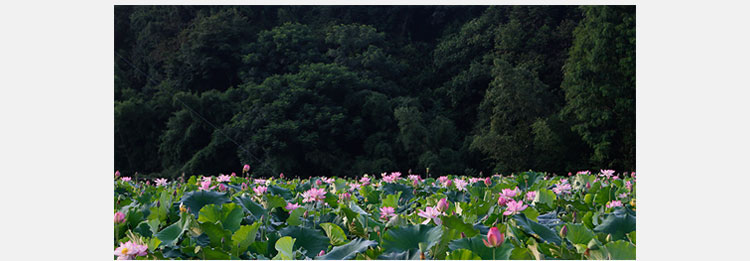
(579, 234)
(620, 250)
(285, 246)
(536, 230)
(309, 239)
(244, 237)
(295, 218)
(618, 223)
(195, 200)
(251, 206)
(462, 254)
(408, 237)
(216, 233)
(349, 250)
(335, 234)
(455, 222)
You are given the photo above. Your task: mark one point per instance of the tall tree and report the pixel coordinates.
(600, 84)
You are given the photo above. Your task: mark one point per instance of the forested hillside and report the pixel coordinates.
(344, 90)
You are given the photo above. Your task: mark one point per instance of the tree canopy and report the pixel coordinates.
(347, 90)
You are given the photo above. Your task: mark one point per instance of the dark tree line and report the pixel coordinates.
(343, 90)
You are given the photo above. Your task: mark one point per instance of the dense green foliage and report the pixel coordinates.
(338, 90)
(583, 217)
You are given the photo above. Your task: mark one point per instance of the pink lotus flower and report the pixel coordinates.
(223, 178)
(245, 168)
(161, 182)
(243, 186)
(531, 195)
(205, 179)
(623, 195)
(628, 185)
(365, 180)
(281, 175)
(448, 183)
(514, 207)
(494, 238)
(314, 194)
(607, 173)
(562, 188)
(291, 207)
(205, 185)
(318, 182)
(117, 173)
(354, 186)
(391, 178)
(503, 200)
(460, 184)
(488, 181)
(345, 196)
(430, 213)
(387, 212)
(260, 181)
(508, 193)
(474, 180)
(583, 172)
(443, 204)
(259, 190)
(222, 187)
(614, 203)
(129, 250)
(416, 178)
(119, 217)
(328, 180)
(148, 183)
(125, 178)
(442, 179)
(563, 181)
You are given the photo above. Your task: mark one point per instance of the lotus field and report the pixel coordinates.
(526, 215)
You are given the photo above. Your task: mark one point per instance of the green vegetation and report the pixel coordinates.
(345, 90)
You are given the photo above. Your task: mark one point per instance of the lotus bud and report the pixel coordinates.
(322, 252)
(233, 174)
(119, 217)
(245, 168)
(222, 188)
(281, 175)
(609, 238)
(318, 182)
(345, 196)
(117, 174)
(570, 174)
(243, 186)
(488, 181)
(443, 204)
(448, 183)
(588, 185)
(463, 235)
(494, 238)
(564, 231)
(305, 214)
